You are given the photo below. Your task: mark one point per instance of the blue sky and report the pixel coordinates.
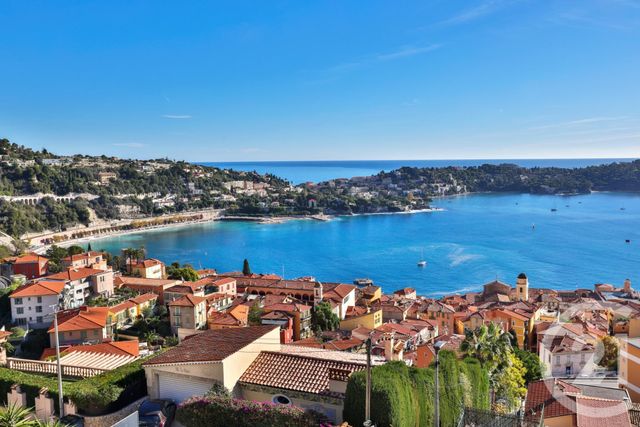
(300, 80)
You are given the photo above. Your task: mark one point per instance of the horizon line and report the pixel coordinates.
(418, 160)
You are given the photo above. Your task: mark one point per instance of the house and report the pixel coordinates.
(211, 357)
(185, 288)
(81, 325)
(629, 366)
(188, 314)
(405, 293)
(566, 354)
(358, 316)
(282, 319)
(563, 404)
(309, 378)
(301, 314)
(89, 259)
(34, 304)
(444, 315)
(149, 269)
(82, 283)
(370, 294)
(105, 177)
(30, 265)
(142, 285)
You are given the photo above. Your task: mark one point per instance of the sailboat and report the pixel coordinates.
(422, 262)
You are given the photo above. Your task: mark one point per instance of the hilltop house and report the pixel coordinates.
(84, 325)
(83, 282)
(34, 304)
(149, 269)
(90, 259)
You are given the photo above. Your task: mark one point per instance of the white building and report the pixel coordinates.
(33, 304)
(565, 354)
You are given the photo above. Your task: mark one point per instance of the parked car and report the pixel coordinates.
(156, 413)
(72, 421)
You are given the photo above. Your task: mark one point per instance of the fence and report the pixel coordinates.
(482, 418)
(43, 367)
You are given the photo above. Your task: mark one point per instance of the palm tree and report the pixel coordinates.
(489, 344)
(15, 416)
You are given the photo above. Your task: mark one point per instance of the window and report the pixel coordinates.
(18, 301)
(557, 360)
(39, 301)
(38, 309)
(281, 399)
(83, 335)
(39, 319)
(20, 310)
(21, 321)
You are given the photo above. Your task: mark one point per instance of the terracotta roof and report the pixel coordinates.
(4, 334)
(40, 288)
(224, 281)
(84, 255)
(594, 412)
(147, 263)
(82, 318)
(140, 299)
(342, 345)
(75, 274)
(224, 319)
(125, 305)
(119, 348)
(295, 372)
(288, 307)
(550, 394)
(212, 345)
(29, 258)
(127, 280)
(188, 300)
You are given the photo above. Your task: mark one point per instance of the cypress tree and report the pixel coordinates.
(246, 268)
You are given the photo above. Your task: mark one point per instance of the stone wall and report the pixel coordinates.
(110, 419)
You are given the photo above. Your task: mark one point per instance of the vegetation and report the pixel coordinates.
(607, 352)
(404, 395)
(219, 411)
(185, 272)
(492, 348)
(532, 364)
(323, 318)
(246, 268)
(255, 314)
(16, 416)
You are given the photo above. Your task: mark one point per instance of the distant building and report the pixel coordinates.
(84, 325)
(92, 259)
(149, 269)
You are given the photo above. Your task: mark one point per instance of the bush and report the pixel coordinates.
(29, 383)
(403, 396)
(215, 411)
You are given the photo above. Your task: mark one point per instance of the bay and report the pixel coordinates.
(475, 239)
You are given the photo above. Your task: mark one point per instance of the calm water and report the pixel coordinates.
(474, 240)
(316, 171)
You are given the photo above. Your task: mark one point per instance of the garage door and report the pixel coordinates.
(181, 387)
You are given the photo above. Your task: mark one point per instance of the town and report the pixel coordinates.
(128, 336)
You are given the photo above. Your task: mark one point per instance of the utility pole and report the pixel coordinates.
(59, 367)
(367, 398)
(437, 346)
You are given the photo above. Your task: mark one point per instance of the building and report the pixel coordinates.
(566, 354)
(142, 285)
(306, 377)
(149, 269)
(359, 316)
(211, 357)
(82, 283)
(300, 313)
(90, 259)
(84, 325)
(522, 287)
(425, 353)
(629, 366)
(188, 314)
(105, 177)
(30, 265)
(34, 304)
(563, 404)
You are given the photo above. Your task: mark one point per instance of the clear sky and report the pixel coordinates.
(303, 80)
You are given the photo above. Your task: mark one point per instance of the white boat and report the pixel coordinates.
(422, 262)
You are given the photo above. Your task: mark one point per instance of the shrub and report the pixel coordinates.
(404, 396)
(216, 411)
(29, 383)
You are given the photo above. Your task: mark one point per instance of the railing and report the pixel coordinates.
(43, 367)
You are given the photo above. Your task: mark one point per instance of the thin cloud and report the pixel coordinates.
(484, 9)
(129, 144)
(407, 51)
(579, 122)
(176, 116)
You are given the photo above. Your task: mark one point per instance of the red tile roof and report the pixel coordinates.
(40, 288)
(75, 274)
(140, 299)
(594, 412)
(296, 372)
(189, 300)
(212, 345)
(550, 394)
(29, 258)
(147, 263)
(85, 255)
(82, 318)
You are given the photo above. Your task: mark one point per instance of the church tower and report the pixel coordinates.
(317, 293)
(522, 287)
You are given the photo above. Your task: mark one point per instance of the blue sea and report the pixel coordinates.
(317, 171)
(473, 240)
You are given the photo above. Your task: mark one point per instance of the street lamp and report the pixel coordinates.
(59, 368)
(437, 347)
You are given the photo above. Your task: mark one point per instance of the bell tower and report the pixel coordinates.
(522, 287)
(317, 292)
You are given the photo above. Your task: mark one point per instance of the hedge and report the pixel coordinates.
(97, 395)
(404, 396)
(218, 411)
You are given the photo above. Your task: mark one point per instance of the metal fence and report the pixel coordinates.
(481, 418)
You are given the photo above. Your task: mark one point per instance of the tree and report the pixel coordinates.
(607, 350)
(255, 314)
(511, 386)
(89, 247)
(246, 268)
(489, 344)
(15, 416)
(532, 364)
(323, 318)
(55, 254)
(185, 272)
(75, 250)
